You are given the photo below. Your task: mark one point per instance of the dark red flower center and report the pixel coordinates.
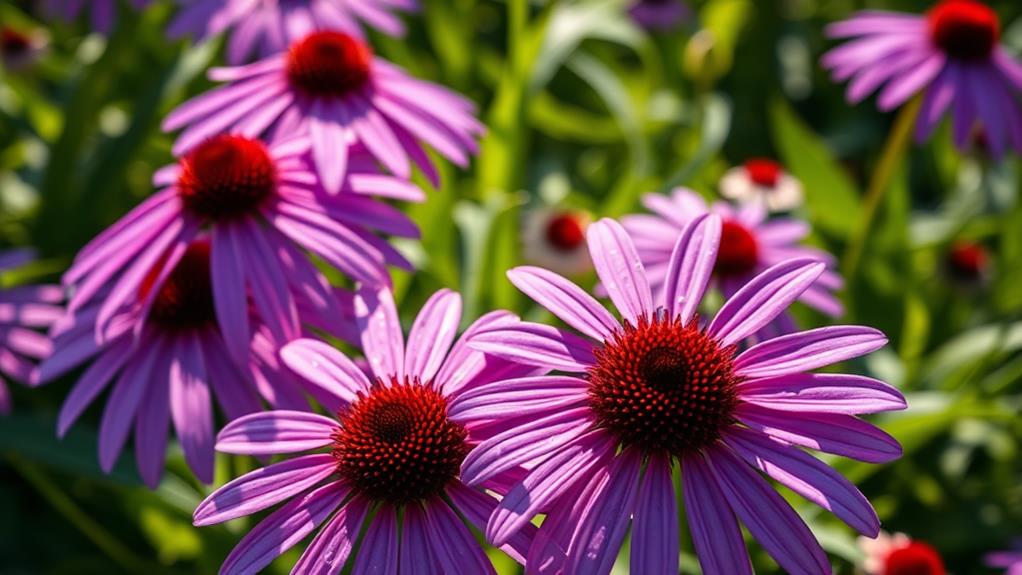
(565, 232)
(13, 42)
(916, 559)
(964, 29)
(328, 64)
(738, 252)
(968, 261)
(763, 172)
(664, 386)
(227, 176)
(185, 299)
(397, 444)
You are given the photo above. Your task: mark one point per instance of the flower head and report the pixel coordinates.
(103, 12)
(898, 554)
(166, 360)
(330, 90)
(555, 239)
(662, 388)
(266, 27)
(395, 445)
(951, 55)
(760, 179)
(262, 206)
(749, 244)
(659, 14)
(23, 310)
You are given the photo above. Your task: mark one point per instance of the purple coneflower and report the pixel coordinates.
(556, 239)
(664, 388)
(103, 12)
(395, 446)
(266, 27)
(659, 14)
(899, 554)
(1010, 561)
(951, 54)
(762, 180)
(167, 360)
(23, 310)
(749, 244)
(262, 205)
(329, 88)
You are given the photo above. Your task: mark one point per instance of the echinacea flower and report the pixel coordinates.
(556, 239)
(103, 12)
(329, 88)
(662, 388)
(749, 244)
(762, 180)
(19, 49)
(266, 27)
(23, 310)
(899, 554)
(659, 14)
(395, 445)
(263, 206)
(166, 360)
(1011, 561)
(951, 55)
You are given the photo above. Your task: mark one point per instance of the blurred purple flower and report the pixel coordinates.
(330, 89)
(659, 14)
(265, 27)
(749, 244)
(103, 12)
(262, 206)
(662, 387)
(951, 55)
(1011, 561)
(396, 444)
(166, 360)
(23, 310)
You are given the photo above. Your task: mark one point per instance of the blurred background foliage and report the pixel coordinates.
(584, 110)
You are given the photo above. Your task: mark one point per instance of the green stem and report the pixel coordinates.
(51, 492)
(894, 150)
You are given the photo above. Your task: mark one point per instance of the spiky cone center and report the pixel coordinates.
(917, 558)
(227, 176)
(964, 29)
(328, 65)
(185, 298)
(396, 444)
(663, 386)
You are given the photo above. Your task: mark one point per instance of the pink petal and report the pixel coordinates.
(382, 338)
(716, 535)
(326, 368)
(432, 334)
(273, 432)
(565, 300)
(655, 544)
(691, 266)
(618, 265)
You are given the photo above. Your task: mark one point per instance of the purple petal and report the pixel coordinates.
(264, 488)
(803, 351)
(378, 554)
(716, 536)
(655, 543)
(191, 407)
(823, 393)
(766, 515)
(330, 549)
(92, 383)
(229, 291)
(807, 476)
(691, 266)
(416, 556)
(151, 431)
(382, 338)
(326, 368)
(516, 397)
(453, 545)
(539, 345)
(477, 506)
(432, 334)
(620, 269)
(282, 529)
(273, 432)
(565, 300)
(763, 299)
(125, 399)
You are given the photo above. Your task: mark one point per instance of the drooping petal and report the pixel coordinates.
(191, 407)
(620, 269)
(565, 300)
(477, 506)
(715, 532)
(330, 549)
(655, 544)
(274, 432)
(453, 545)
(229, 292)
(416, 556)
(379, 553)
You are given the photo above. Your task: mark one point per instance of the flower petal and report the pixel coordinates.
(382, 338)
(379, 553)
(536, 344)
(823, 393)
(655, 543)
(273, 432)
(330, 549)
(691, 266)
(620, 269)
(191, 407)
(565, 300)
(416, 555)
(453, 545)
(432, 334)
(806, 350)
(515, 397)
(715, 532)
(325, 367)
(477, 506)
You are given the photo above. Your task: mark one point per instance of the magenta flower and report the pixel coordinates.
(330, 89)
(263, 206)
(166, 360)
(266, 27)
(659, 14)
(666, 388)
(749, 244)
(23, 310)
(951, 55)
(395, 446)
(103, 12)
(1010, 561)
